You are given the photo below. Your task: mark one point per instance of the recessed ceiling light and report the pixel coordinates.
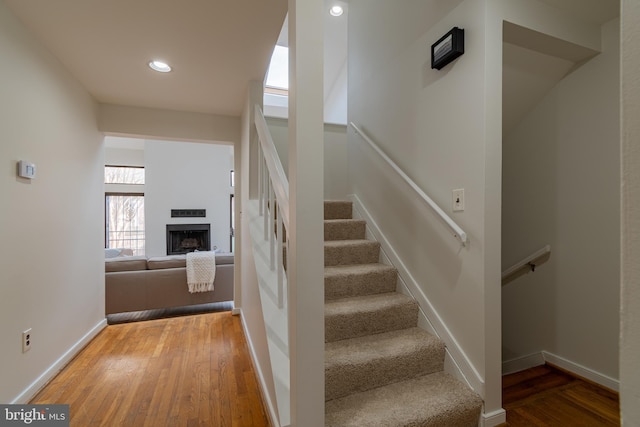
(336, 10)
(160, 66)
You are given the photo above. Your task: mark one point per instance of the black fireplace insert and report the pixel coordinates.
(183, 238)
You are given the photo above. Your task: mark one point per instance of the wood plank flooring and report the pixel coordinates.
(196, 371)
(184, 371)
(545, 396)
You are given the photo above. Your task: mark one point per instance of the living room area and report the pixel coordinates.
(164, 199)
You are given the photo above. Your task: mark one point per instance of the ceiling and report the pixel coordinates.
(530, 72)
(214, 47)
(594, 11)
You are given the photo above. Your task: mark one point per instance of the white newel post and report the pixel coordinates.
(306, 247)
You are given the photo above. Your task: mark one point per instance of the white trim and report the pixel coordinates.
(273, 416)
(494, 418)
(466, 368)
(582, 371)
(279, 181)
(521, 363)
(58, 365)
(458, 232)
(235, 311)
(537, 359)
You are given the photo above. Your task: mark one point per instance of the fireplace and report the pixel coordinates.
(183, 238)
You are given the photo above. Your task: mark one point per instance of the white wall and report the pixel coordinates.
(247, 294)
(121, 120)
(186, 175)
(51, 258)
(335, 155)
(561, 187)
(120, 156)
(630, 296)
(432, 124)
(183, 175)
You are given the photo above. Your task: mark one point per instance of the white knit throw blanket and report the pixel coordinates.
(201, 271)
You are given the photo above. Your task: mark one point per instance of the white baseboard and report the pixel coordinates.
(273, 417)
(521, 363)
(235, 311)
(466, 370)
(537, 359)
(582, 371)
(59, 364)
(494, 418)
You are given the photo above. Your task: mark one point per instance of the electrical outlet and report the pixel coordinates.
(458, 200)
(26, 340)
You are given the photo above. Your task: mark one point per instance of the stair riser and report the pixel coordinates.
(342, 380)
(366, 253)
(380, 368)
(337, 210)
(352, 285)
(361, 323)
(344, 230)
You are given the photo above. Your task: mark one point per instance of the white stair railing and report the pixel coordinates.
(458, 232)
(268, 219)
(273, 192)
(527, 265)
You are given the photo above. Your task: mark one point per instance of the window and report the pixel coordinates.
(123, 175)
(278, 73)
(124, 210)
(124, 223)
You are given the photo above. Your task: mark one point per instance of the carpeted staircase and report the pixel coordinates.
(380, 368)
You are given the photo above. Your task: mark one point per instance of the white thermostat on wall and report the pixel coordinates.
(26, 169)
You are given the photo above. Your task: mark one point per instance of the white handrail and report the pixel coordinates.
(278, 177)
(273, 190)
(526, 265)
(457, 231)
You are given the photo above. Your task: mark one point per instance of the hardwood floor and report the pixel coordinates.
(545, 396)
(196, 370)
(183, 371)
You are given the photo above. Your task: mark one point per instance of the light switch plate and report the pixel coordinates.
(458, 199)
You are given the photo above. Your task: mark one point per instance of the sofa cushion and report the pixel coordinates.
(125, 263)
(222, 259)
(169, 261)
(180, 261)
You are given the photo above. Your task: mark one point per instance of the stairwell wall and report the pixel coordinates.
(335, 155)
(630, 177)
(432, 124)
(246, 293)
(561, 187)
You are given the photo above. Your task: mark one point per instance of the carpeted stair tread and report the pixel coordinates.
(344, 229)
(364, 315)
(436, 399)
(342, 281)
(337, 209)
(393, 356)
(343, 252)
(380, 368)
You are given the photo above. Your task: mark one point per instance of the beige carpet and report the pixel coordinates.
(380, 368)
